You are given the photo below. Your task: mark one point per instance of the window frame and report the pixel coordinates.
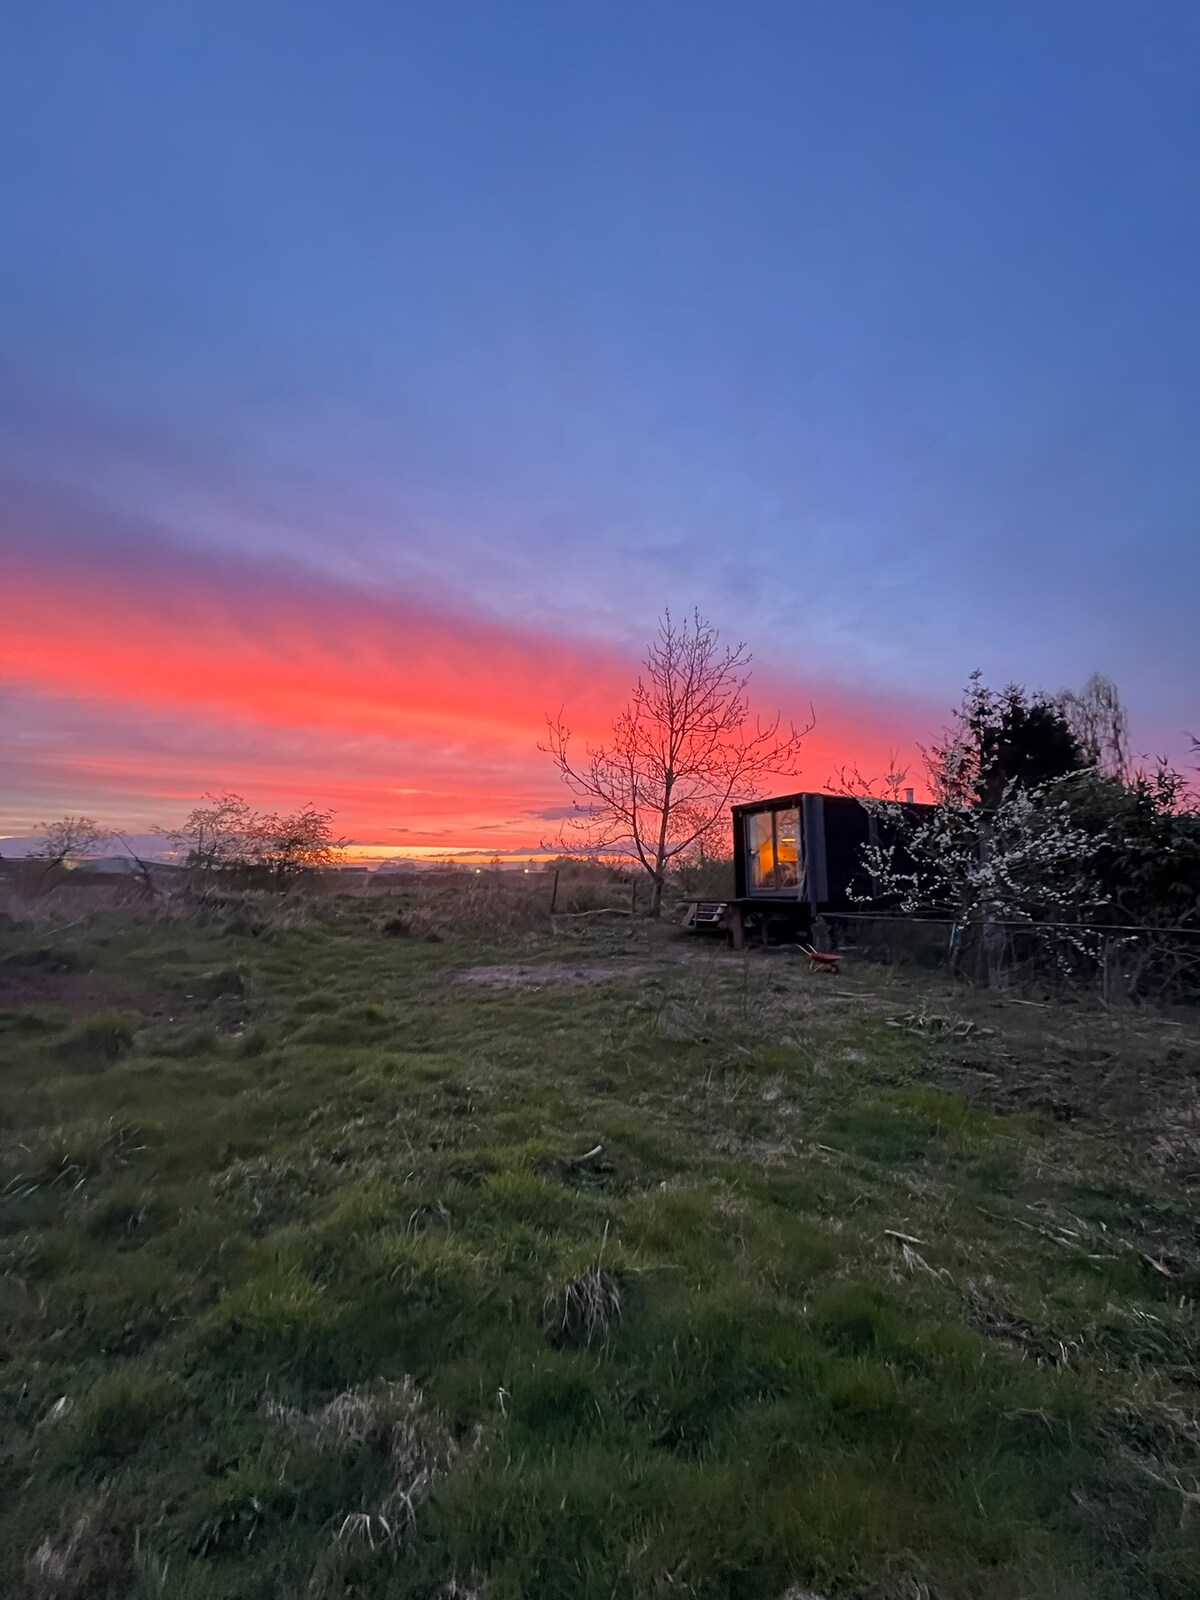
(776, 891)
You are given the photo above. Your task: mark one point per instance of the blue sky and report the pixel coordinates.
(870, 328)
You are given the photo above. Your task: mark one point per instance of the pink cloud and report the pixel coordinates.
(137, 675)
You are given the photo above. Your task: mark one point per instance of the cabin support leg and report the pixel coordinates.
(737, 928)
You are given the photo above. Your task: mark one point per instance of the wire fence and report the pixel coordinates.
(1121, 964)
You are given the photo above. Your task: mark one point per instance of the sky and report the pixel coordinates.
(372, 376)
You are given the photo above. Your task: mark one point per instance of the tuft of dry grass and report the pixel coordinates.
(87, 1556)
(1176, 1147)
(229, 910)
(495, 906)
(583, 1310)
(69, 904)
(985, 1310)
(256, 913)
(480, 908)
(392, 1417)
(65, 1158)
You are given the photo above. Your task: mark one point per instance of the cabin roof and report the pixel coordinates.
(774, 801)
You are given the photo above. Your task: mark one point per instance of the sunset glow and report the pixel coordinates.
(184, 674)
(337, 450)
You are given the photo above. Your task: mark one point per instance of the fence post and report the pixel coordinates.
(995, 942)
(633, 898)
(554, 894)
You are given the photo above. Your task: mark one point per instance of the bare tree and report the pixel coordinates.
(1100, 724)
(300, 842)
(69, 839)
(682, 751)
(219, 834)
(850, 780)
(142, 866)
(226, 833)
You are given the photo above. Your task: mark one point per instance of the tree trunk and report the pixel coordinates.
(660, 863)
(995, 942)
(656, 894)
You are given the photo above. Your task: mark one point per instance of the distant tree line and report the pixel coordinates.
(222, 837)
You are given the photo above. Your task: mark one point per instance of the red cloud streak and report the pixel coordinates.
(202, 672)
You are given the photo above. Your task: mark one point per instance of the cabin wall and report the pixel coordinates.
(847, 830)
(812, 843)
(739, 857)
(833, 830)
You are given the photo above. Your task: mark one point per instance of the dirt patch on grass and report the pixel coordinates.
(984, 1311)
(78, 992)
(537, 975)
(1130, 1078)
(1138, 1090)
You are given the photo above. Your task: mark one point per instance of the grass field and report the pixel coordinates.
(314, 1283)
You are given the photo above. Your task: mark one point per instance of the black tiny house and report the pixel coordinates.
(795, 856)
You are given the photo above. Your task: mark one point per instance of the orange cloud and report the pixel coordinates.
(291, 651)
(139, 675)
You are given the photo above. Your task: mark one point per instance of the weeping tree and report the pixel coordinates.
(1099, 724)
(684, 749)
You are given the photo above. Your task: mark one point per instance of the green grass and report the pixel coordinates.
(307, 1291)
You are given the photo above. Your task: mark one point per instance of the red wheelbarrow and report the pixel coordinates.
(820, 960)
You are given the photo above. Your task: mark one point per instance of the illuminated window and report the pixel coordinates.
(773, 850)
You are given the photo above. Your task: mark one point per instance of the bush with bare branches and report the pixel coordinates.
(69, 840)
